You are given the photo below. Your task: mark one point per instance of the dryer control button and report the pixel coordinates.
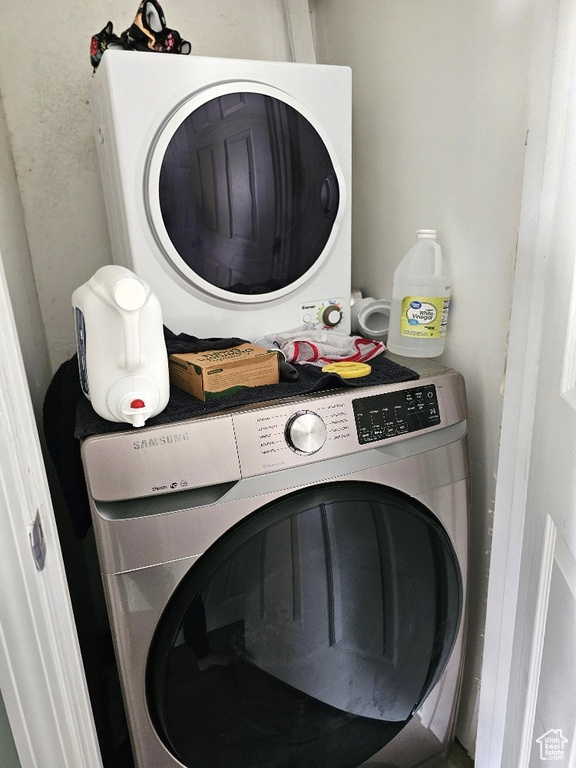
(305, 432)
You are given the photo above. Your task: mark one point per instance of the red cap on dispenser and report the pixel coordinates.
(138, 403)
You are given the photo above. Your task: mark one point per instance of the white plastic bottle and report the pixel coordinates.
(121, 349)
(420, 300)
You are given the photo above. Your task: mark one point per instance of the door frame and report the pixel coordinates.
(41, 673)
(498, 709)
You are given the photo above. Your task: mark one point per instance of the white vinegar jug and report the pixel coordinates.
(121, 350)
(420, 300)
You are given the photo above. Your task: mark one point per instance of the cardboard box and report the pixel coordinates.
(222, 372)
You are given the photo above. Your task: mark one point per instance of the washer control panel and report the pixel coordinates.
(386, 415)
(251, 441)
(333, 425)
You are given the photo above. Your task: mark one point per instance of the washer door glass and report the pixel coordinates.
(309, 634)
(248, 194)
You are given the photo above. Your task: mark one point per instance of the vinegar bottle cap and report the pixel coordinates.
(428, 233)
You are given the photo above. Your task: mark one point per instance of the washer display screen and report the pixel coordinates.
(248, 193)
(395, 413)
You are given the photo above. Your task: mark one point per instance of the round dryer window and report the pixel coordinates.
(244, 192)
(309, 634)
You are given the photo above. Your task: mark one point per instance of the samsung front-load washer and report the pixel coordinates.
(286, 582)
(226, 185)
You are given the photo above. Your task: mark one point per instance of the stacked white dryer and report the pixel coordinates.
(227, 186)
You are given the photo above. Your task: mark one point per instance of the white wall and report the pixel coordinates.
(15, 256)
(45, 77)
(440, 89)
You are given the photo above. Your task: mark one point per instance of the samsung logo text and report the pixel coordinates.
(155, 442)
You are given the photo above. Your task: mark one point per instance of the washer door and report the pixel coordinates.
(309, 634)
(243, 192)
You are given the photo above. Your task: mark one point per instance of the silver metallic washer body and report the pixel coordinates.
(161, 496)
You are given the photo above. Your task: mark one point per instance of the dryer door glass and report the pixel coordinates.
(248, 193)
(309, 634)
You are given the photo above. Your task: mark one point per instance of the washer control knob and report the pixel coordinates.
(331, 315)
(305, 432)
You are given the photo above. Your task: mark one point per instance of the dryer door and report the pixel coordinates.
(309, 634)
(243, 192)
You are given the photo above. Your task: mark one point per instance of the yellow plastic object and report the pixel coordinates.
(348, 370)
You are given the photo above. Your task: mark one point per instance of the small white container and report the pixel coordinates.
(420, 300)
(122, 355)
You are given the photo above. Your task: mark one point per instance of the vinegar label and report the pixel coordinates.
(424, 317)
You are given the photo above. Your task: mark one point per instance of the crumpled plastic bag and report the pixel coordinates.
(306, 345)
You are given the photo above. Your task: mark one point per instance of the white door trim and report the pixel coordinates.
(541, 613)
(299, 31)
(542, 166)
(41, 674)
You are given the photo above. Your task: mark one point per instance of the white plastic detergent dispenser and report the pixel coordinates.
(122, 355)
(420, 300)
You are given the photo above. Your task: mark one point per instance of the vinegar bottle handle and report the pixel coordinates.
(437, 260)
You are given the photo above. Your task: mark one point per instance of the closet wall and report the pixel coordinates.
(17, 264)
(439, 125)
